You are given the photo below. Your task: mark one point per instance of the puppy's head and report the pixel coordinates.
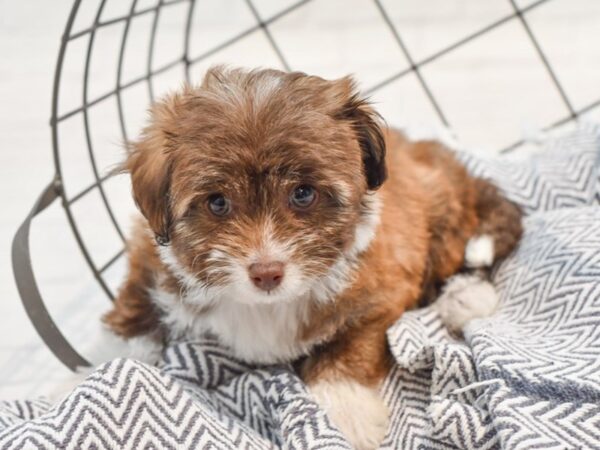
(257, 184)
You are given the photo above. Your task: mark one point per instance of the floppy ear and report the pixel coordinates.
(367, 125)
(149, 165)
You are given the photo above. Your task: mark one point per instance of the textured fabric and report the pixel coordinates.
(563, 174)
(528, 377)
(199, 398)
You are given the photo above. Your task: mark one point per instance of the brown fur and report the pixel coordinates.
(239, 135)
(134, 313)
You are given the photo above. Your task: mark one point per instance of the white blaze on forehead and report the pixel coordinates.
(266, 88)
(238, 94)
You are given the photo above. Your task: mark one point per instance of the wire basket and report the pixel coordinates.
(163, 64)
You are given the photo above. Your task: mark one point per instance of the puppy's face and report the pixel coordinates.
(256, 182)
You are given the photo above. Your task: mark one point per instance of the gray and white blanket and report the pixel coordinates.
(528, 377)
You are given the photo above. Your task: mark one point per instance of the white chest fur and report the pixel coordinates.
(261, 333)
(264, 333)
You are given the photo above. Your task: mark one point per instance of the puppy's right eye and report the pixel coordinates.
(303, 197)
(219, 205)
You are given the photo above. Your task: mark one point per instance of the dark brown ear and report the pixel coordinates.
(367, 125)
(150, 167)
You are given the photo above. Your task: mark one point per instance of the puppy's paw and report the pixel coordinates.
(357, 410)
(479, 252)
(463, 298)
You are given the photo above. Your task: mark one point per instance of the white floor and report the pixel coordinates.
(492, 91)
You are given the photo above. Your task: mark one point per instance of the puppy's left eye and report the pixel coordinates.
(303, 196)
(219, 205)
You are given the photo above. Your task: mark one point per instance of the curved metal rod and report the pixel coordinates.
(186, 41)
(28, 289)
(120, 71)
(269, 36)
(414, 68)
(151, 51)
(55, 147)
(86, 123)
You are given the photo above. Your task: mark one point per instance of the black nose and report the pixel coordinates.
(266, 276)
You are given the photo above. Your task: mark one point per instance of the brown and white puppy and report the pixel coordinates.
(267, 222)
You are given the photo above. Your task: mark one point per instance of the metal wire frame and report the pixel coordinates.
(186, 61)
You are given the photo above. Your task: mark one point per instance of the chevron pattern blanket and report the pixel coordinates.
(528, 377)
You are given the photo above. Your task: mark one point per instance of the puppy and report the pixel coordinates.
(267, 222)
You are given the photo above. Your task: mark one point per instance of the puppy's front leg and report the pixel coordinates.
(344, 378)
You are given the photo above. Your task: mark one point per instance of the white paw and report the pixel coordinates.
(463, 298)
(479, 251)
(357, 410)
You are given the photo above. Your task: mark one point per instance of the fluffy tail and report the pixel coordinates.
(499, 229)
